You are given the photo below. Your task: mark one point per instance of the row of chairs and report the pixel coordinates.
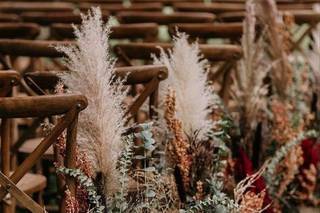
(19, 41)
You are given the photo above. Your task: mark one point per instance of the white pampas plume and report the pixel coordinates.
(188, 78)
(92, 74)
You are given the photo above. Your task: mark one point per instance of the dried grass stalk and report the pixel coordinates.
(92, 74)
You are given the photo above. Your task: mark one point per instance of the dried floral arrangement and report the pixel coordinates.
(197, 156)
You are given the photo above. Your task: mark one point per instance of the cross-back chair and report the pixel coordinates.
(114, 8)
(145, 31)
(29, 183)
(309, 17)
(7, 17)
(213, 7)
(49, 18)
(164, 19)
(19, 30)
(19, 7)
(165, 2)
(227, 54)
(232, 31)
(149, 75)
(42, 106)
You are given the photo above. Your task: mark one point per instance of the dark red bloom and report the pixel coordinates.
(311, 152)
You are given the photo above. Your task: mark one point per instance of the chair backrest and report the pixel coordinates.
(300, 16)
(165, 2)
(143, 51)
(19, 7)
(19, 30)
(48, 18)
(115, 8)
(144, 31)
(41, 106)
(164, 19)
(150, 76)
(231, 31)
(7, 17)
(214, 7)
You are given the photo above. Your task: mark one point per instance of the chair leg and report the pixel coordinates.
(7, 205)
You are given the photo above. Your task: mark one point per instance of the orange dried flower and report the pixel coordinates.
(289, 168)
(308, 183)
(252, 202)
(179, 145)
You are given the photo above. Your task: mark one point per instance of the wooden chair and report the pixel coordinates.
(165, 2)
(232, 31)
(300, 16)
(214, 7)
(19, 7)
(42, 106)
(48, 18)
(164, 19)
(19, 30)
(115, 8)
(227, 54)
(144, 31)
(29, 183)
(6, 17)
(149, 75)
(143, 51)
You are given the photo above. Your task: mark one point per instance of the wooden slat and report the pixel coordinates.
(20, 47)
(23, 198)
(208, 7)
(123, 31)
(47, 18)
(300, 16)
(19, 30)
(208, 30)
(212, 52)
(114, 8)
(6, 17)
(18, 7)
(165, 2)
(39, 106)
(161, 18)
(132, 75)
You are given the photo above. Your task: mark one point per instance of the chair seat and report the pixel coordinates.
(30, 145)
(31, 183)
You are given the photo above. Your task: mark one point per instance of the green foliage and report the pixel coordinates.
(87, 183)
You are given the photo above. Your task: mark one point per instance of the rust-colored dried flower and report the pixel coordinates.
(179, 145)
(308, 184)
(71, 203)
(252, 202)
(289, 168)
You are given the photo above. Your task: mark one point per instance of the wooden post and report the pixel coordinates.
(5, 156)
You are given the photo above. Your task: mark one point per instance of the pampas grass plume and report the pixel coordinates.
(92, 74)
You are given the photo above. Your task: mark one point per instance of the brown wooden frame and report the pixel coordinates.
(48, 18)
(41, 106)
(145, 31)
(19, 7)
(164, 19)
(114, 8)
(232, 31)
(213, 7)
(19, 30)
(149, 75)
(228, 54)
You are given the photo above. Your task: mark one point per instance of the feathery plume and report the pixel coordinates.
(188, 78)
(92, 74)
(282, 71)
(250, 91)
